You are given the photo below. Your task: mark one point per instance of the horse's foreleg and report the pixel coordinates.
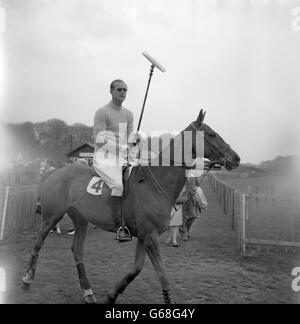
(153, 251)
(140, 255)
(46, 227)
(78, 252)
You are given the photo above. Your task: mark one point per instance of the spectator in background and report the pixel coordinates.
(82, 162)
(176, 218)
(195, 202)
(46, 166)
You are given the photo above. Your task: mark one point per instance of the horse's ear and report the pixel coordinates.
(201, 117)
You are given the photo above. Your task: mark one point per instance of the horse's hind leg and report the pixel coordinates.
(48, 223)
(78, 251)
(140, 255)
(153, 251)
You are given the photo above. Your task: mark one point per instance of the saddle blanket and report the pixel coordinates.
(95, 186)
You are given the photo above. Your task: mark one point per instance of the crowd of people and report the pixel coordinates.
(22, 171)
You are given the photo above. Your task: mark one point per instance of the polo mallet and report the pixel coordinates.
(154, 64)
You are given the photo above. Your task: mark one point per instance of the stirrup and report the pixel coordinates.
(124, 239)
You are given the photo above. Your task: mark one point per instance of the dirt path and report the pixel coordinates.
(206, 269)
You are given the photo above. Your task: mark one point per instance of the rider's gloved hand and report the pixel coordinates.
(137, 138)
(134, 138)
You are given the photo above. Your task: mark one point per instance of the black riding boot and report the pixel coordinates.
(123, 233)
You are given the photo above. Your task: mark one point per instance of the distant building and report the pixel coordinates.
(84, 151)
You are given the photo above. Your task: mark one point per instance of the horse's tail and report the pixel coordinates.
(44, 177)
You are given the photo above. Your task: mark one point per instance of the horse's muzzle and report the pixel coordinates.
(232, 163)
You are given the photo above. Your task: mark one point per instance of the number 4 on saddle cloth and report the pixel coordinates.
(95, 186)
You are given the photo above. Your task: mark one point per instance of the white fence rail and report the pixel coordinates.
(259, 219)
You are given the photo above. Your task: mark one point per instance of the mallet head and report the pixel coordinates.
(154, 62)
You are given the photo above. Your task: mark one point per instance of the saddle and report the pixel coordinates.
(95, 186)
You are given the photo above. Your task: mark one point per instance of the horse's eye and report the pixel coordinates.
(213, 135)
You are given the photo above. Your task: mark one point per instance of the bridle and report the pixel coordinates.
(163, 191)
(208, 167)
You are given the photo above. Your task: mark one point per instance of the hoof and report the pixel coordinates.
(170, 301)
(90, 300)
(167, 298)
(109, 300)
(25, 284)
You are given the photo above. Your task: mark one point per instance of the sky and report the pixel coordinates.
(238, 60)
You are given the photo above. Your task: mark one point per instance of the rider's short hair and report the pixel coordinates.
(112, 85)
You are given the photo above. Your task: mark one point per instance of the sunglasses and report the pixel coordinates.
(121, 89)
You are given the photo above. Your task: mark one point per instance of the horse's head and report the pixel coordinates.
(215, 148)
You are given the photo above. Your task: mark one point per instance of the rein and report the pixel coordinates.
(182, 164)
(160, 187)
(194, 193)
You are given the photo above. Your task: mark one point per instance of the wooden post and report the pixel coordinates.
(238, 218)
(274, 215)
(243, 223)
(246, 207)
(292, 225)
(233, 212)
(247, 202)
(4, 213)
(224, 199)
(256, 200)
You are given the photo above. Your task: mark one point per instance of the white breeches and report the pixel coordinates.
(110, 171)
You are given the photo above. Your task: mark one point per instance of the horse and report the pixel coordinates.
(148, 198)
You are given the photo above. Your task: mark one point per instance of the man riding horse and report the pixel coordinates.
(113, 124)
(150, 194)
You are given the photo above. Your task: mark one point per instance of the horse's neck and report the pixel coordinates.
(180, 150)
(170, 178)
(168, 169)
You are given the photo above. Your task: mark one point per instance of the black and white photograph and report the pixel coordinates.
(150, 154)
